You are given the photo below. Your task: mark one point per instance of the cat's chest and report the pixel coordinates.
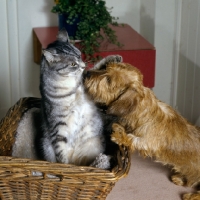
(80, 122)
(76, 118)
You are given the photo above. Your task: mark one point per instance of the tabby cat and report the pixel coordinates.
(71, 124)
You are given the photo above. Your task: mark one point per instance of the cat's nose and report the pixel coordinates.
(83, 65)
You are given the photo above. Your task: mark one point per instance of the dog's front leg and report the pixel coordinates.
(120, 137)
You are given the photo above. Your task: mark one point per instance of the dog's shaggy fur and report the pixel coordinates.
(147, 124)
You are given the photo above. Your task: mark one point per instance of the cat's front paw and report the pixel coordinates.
(102, 161)
(113, 58)
(109, 59)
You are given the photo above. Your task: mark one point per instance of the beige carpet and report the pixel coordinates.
(147, 180)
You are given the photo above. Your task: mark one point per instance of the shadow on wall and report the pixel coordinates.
(33, 71)
(188, 92)
(147, 20)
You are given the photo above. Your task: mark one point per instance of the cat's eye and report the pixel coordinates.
(73, 64)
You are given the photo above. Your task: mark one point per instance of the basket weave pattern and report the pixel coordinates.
(33, 179)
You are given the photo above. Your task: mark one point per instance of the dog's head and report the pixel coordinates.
(117, 86)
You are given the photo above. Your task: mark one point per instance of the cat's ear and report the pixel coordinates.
(50, 57)
(63, 36)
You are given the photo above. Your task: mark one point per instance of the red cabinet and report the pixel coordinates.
(135, 49)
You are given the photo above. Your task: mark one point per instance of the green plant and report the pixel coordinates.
(94, 15)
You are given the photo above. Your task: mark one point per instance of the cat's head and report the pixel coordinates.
(62, 57)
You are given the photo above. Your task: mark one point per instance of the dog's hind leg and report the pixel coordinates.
(179, 179)
(191, 196)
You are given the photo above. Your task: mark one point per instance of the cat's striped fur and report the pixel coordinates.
(71, 124)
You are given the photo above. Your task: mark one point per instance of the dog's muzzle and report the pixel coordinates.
(86, 74)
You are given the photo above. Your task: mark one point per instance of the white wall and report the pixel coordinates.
(128, 11)
(19, 75)
(166, 24)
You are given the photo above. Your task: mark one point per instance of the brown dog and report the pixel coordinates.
(150, 126)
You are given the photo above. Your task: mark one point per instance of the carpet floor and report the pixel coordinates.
(147, 180)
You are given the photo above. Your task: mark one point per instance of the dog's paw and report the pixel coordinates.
(113, 58)
(119, 135)
(191, 196)
(118, 128)
(178, 179)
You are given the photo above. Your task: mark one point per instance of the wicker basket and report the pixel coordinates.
(32, 179)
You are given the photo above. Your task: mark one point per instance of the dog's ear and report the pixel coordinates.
(127, 101)
(138, 87)
(124, 104)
